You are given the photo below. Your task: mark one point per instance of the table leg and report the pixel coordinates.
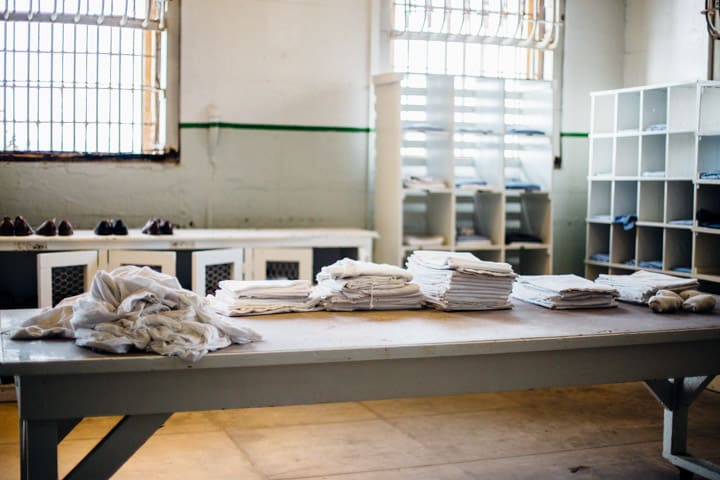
(38, 447)
(676, 396)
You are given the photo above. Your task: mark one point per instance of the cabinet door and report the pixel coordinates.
(64, 274)
(163, 262)
(282, 263)
(209, 267)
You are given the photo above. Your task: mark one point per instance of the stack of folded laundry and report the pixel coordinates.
(563, 292)
(259, 297)
(642, 285)
(461, 281)
(348, 285)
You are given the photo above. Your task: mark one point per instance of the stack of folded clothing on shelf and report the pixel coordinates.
(563, 292)
(349, 285)
(461, 281)
(642, 285)
(260, 297)
(423, 241)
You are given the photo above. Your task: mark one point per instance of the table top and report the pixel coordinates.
(326, 337)
(189, 238)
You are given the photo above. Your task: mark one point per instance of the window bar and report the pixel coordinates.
(5, 80)
(27, 84)
(97, 90)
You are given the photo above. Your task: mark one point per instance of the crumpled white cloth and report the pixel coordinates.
(132, 307)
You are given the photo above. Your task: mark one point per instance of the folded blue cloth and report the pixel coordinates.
(516, 184)
(627, 221)
(680, 222)
(460, 182)
(707, 219)
(682, 269)
(630, 262)
(525, 131)
(657, 127)
(657, 264)
(600, 257)
(711, 175)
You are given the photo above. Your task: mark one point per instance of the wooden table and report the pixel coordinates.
(330, 357)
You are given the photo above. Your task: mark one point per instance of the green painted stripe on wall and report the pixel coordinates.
(264, 126)
(574, 134)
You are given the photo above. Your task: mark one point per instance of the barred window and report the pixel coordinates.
(86, 79)
(489, 38)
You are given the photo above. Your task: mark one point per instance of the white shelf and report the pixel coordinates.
(663, 138)
(464, 129)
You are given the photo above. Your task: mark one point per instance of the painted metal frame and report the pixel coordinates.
(47, 261)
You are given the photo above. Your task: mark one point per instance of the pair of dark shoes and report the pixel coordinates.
(19, 228)
(158, 226)
(49, 229)
(111, 227)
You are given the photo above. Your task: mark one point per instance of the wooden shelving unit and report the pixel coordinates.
(456, 131)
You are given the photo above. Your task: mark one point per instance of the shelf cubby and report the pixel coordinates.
(709, 108)
(681, 109)
(529, 213)
(708, 200)
(529, 261)
(600, 200)
(621, 270)
(649, 245)
(679, 201)
(626, 156)
(628, 111)
(652, 158)
(706, 259)
(652, 201)
(603, 118)
(622, 244)
(681, 155)
(601, 156)
(598, 240)
(624, 198)
(708, 154)
(480, 213)
(421, 216)
(592, 271)
(678, 250)
(654, 109)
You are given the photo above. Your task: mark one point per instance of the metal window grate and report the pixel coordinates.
(282, 270)
(67, 282)
(82, 75)
(214, 274)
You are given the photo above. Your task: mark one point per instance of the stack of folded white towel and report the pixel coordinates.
(348, 285)
(258, 297)
(642, 285)
(563, 292)
(461, 281)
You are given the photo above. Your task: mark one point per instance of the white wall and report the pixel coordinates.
(262, 62)
(665, 41)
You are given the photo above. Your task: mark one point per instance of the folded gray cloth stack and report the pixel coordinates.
(258, 297)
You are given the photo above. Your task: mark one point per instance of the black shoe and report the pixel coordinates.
(151, 227)
(165, 227)
(47, 228)
(6, 227)
(22, 228)
(103, 228)
(65, 229)
(118, 227)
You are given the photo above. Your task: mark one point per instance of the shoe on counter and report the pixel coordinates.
(65, 229)
(103, 228)
(151, 227)
(47, 228)
(118, 227)
(165, 227)
(22, 228)
(7, 229)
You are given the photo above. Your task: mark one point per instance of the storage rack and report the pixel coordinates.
(653, 151)
(455, 129)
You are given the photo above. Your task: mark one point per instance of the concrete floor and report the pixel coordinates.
(602, 432)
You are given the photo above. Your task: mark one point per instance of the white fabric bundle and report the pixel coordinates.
(141, 308)
(563, 292)
(642, 285)
(260, 297)
(348, 285)
(461, 281)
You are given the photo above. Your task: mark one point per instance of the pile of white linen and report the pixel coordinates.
(132, 307)
(461, 281)
(563, 292)
(642, 285)
(259, 297)
(348, 285)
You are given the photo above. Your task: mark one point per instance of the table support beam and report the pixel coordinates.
(117, 446)
(676, 396)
